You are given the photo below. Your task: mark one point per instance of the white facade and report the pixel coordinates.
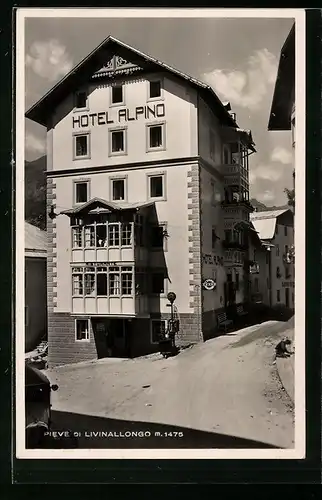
(142, 166)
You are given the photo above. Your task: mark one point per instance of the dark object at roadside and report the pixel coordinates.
(167, 345)
(282, 350)
(223, 322)
(38, 411)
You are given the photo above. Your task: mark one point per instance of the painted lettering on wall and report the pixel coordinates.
(208, 258)
(119, 116)
(288, 284)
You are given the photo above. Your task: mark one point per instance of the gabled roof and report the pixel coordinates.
(268, 214)
(93, 63)
(265, 222)
(98, 205)
(283, 98)
(35, 241)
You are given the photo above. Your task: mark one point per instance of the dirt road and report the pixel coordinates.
(227, 385)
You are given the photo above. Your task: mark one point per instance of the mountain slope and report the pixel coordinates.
(35, 192)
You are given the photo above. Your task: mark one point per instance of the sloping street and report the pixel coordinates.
(228, 385)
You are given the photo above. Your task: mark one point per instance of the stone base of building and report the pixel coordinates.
(63, 348)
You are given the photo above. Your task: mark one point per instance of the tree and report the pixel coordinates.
(290, 193)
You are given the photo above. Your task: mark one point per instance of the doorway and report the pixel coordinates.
(112, 337)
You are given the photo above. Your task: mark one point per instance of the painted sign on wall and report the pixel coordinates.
(208, 258)
(288, 284)
(119, 116)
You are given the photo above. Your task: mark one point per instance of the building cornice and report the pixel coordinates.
(124, 166)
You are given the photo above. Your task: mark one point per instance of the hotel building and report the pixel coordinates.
(147, 193)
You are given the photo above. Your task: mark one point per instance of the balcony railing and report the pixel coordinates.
(235, 245)
(254, 268)
(233, 258)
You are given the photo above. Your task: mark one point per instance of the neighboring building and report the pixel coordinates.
(282, 116)
(276, 230)
(35, 286)
(259, 261)
(147, 192)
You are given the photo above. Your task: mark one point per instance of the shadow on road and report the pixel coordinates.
(107, 433)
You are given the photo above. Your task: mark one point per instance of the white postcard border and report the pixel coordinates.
(298, 452)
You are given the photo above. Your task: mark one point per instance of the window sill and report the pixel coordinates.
(83, 341)
(153, 150)
(117, 104)
(86, 157)
(81, 110)
(158, 198)
(117, 153)
(154, 99)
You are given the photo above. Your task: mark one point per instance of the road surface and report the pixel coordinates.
(228, 385)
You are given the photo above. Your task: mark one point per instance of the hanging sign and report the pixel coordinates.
(209, 284)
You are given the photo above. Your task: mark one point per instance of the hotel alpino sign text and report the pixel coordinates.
(124, 114)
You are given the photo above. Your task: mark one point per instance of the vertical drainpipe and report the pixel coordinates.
(270, 276)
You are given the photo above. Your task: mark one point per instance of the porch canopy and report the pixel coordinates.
(97, 206)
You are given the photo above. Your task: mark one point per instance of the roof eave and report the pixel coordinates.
(280, 115)
(38, 112)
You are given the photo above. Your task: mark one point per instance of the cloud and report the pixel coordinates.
(272, 173)
(34, 144)
(266, 196)
(281, 155)
(49, 59)
(249, 87)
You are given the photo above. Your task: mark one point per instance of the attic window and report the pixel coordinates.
(155, 89)
(81, 100)
(117, 94)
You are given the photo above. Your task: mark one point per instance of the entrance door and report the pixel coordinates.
(287, 297)
(112, 337)
(102, 336)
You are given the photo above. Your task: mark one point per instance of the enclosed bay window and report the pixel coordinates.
(103, 235)
(77, 281)
(126, 234)
(126, 280)
(90, 281)
(101, 281)
(77, 233)
(89, 236)
(114, 281)
(114, 235)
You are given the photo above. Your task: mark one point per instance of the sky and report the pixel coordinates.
(237, 57)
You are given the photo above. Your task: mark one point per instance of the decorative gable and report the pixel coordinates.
(117, 65)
